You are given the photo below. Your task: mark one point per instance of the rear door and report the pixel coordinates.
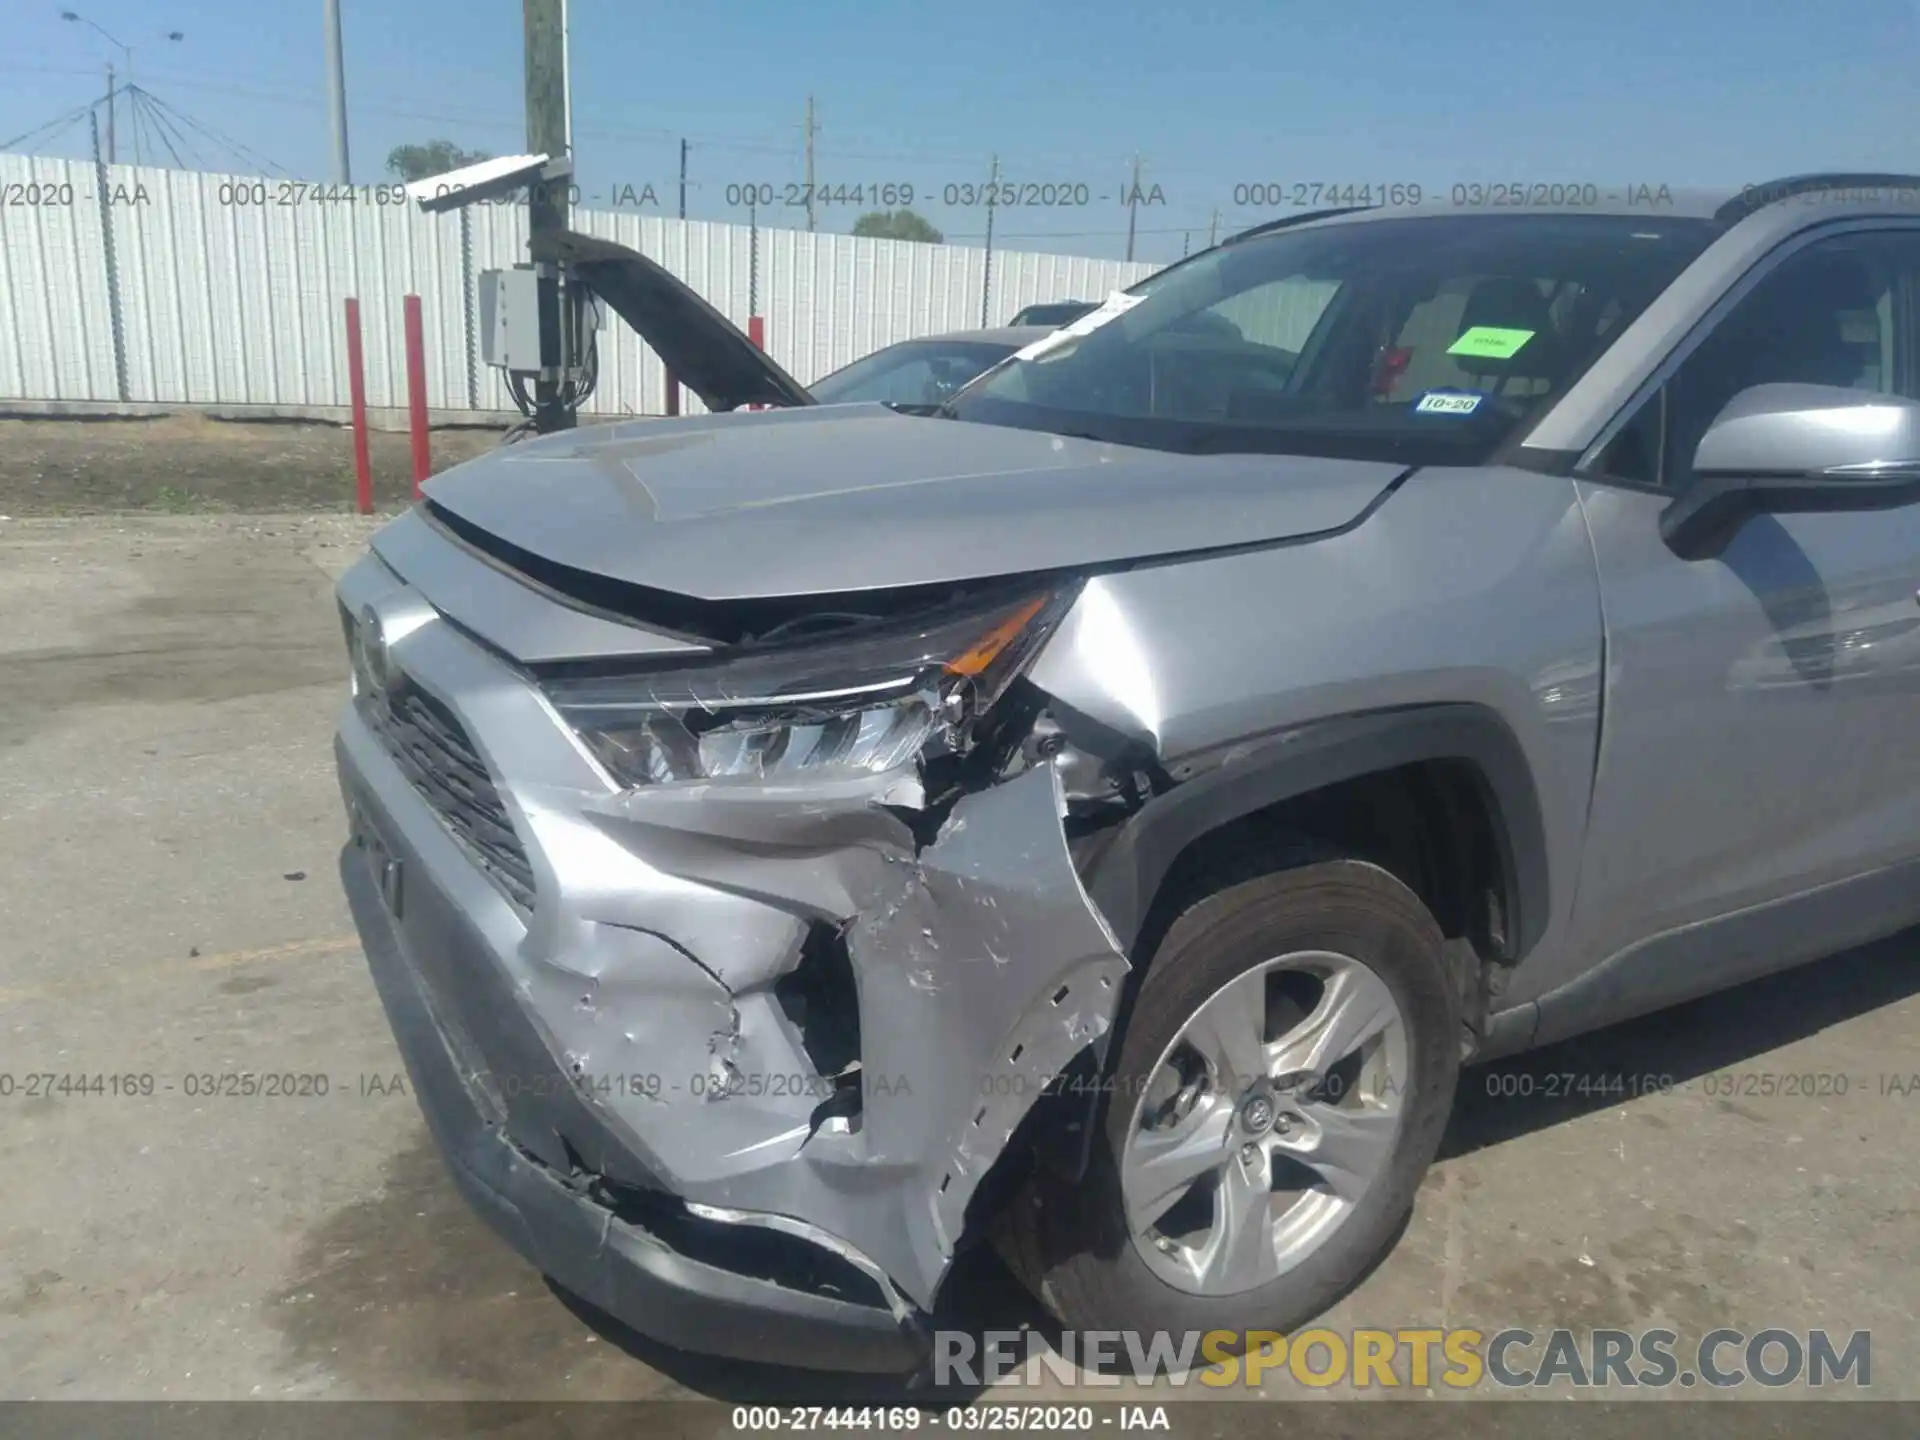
(1760, 745)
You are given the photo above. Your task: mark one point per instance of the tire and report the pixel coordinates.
(1092, 1272)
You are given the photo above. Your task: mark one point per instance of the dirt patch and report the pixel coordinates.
(165, 611)
(188, 464)
(405, 1292)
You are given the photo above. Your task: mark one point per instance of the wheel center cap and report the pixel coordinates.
(1256, 1114)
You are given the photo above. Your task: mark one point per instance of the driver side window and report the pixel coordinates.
(1835, 313)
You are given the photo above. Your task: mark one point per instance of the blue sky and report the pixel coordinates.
(1209, 96)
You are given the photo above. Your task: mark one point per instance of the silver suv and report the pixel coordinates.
(1104, 813)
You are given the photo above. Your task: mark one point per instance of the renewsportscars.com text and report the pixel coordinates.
(1415, 1359)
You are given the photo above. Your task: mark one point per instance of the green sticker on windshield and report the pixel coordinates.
(1490, 342)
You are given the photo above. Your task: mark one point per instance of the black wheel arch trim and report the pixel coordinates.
(1125, 875)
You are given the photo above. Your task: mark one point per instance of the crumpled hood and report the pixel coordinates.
(843, 498)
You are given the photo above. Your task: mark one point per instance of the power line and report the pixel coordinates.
(167, 126)
(140, 106)
(490, 120)
(473, 117)
(201, 80)
(57, 125)
(227, 142)
(176, 141)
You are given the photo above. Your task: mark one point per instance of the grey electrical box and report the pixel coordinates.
(509, 320)
(509, 316)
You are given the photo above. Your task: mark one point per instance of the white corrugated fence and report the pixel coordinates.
(229, 290)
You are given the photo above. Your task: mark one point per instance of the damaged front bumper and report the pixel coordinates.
(714, 1056)
(580, 1240)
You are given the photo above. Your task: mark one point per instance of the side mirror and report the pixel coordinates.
(1795, 449)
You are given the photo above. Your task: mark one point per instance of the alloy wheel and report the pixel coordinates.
(1265, 1122)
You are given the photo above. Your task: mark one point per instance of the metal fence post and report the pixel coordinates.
(986, 279)
(753, 259)
(466, 306)
(100, 185)
(357, 390)
(417, 392)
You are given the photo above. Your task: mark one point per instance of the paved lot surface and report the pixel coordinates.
(168, 830)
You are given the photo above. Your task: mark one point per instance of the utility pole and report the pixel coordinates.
(1213, 230)
(337, 94)
(566, 84)
(1133, 202)
(112, 105)
(986, 284)
(545, 24)
(683, 178)
(809, 181)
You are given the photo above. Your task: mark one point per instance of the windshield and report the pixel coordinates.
(918, 372)
(1422, 340)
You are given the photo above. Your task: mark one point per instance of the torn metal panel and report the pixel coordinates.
(982, 968)
(897, 1303)
(992, 969)
(649, 1035)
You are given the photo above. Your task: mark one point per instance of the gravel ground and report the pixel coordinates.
(186, 464)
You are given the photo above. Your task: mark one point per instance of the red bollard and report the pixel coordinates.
(357, 385)
(417, 394)
(757, 332)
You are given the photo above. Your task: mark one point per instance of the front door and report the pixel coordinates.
(1760, 736)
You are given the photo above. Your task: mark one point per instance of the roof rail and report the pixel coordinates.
(1756, 197)
(1301, 219)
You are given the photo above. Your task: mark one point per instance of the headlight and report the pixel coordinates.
(864, 705)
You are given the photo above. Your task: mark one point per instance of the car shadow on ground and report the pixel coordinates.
(1497, 1103)
(980, 1294)
(1673, 1049)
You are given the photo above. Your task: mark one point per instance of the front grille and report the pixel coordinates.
(433, 751)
